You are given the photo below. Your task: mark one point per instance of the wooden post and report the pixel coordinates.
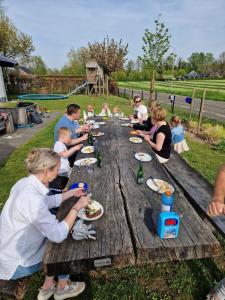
(201, 110)
(156, 95)
(107, 87)
(132, 94)
(124, 92)
(191, 105)
(142, 95)
(118, 92)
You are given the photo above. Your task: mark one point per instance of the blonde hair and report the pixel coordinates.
(63, 131)
(116, 109)
(159, 114)
(153, 104)
(90, 106)
(40, 159)
(176, 120)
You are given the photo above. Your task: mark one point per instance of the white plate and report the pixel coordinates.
(82, 215)
(134, 121)
(98, 134)
(135, 140)
(125, 124)
(90, 122)
(87, 150)
(94, 126)
(145, 157)
(152, 186)
(100, 123)
(85, 162)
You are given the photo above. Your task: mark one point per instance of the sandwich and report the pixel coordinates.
(93, 210)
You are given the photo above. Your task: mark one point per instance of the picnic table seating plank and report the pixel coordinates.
(195, 186)
(127, 231)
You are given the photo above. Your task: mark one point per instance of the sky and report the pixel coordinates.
(56, 26)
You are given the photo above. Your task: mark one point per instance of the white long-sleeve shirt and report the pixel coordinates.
(25, 223)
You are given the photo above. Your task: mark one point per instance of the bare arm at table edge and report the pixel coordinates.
(72, 215)
(79, 140)
(69, 152)
(216, 206)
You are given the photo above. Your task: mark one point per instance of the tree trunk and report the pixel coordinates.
(152, 85)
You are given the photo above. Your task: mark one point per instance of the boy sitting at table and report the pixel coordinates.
(64, 139)
(90, 111)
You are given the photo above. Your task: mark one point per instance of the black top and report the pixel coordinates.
(166, 147)
(146, 126)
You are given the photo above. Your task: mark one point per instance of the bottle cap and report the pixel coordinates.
(168, 193)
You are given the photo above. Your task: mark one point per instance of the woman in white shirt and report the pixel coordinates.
(26, 224)
(140, 110)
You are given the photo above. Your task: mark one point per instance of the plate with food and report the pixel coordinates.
(79, 185)
(159, 185)
(98, 133)
(100, 123)
(87, 150)
(134, 132)
(125, 124)
(90, 122)
(85, 162)
(134, 121)
(143, 156)
(124, 119)
(92, 212)
(135, 140)
(94, 126)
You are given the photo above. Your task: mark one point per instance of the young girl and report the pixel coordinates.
(178, 137)
(105, 110)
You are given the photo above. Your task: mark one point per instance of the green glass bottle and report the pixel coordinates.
(140, 174)
(90, 138)
(99, 159)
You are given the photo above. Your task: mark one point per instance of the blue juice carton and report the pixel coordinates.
(168, 225)
(167, 201)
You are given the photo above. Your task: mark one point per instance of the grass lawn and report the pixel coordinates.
(215, 88)
(166, 281)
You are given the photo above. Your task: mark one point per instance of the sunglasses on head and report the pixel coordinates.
(138, 101)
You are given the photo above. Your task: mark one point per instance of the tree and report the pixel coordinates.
(201, 62)
(156, 45)
(77, 60)
(14, 43)
(109, 54)
(38, 66)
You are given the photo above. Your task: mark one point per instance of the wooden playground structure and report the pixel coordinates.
(97, 80)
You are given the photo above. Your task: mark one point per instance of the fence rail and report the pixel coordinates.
(212, 109)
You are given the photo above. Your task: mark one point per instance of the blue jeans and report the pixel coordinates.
(27, 271)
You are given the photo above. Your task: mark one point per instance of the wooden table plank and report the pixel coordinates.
(113, 235)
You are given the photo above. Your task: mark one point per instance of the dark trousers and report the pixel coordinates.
(59, 183)
(72, 158)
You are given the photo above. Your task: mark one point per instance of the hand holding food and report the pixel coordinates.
(79, 192)
(78, 147)
(215, 209)
(86, 128)
(84, 137)
(83, 202)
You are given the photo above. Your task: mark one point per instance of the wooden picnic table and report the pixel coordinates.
(126, 233)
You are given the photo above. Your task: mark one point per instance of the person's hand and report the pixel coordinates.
(131, 125)
(84, 137)
(131, 117)
(82, 202)
(78, 192)
(147, 138)
(86, 128)
(141, 133)
(78, 147)
(215, 209)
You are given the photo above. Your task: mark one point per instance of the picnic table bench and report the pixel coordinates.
(126, 233)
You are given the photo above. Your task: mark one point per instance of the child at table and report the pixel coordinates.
(105, 110)
(90, 111)
(116, 111)
(178, 135)
(64, 139)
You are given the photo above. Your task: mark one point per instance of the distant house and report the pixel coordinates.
(5, 62)
(195, 75)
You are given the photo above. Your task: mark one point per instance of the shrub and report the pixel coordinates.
(214, 134)
(193, 125)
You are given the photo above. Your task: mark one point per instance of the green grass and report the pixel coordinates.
(164, 281)
(215, 88)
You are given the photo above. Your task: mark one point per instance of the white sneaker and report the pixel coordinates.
(46, 294)
(73, 289)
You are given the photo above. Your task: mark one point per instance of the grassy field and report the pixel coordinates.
(164, 281)
(215, 88)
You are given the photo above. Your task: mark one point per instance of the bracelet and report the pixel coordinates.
(75, 209)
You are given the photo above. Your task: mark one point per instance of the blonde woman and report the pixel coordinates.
(162, 138)
(26, 224)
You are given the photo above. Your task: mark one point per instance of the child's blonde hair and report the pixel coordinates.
(116, 109)
(176, 120)
(90, 107)
(63, 131)
(159, 114)
(40, 159)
